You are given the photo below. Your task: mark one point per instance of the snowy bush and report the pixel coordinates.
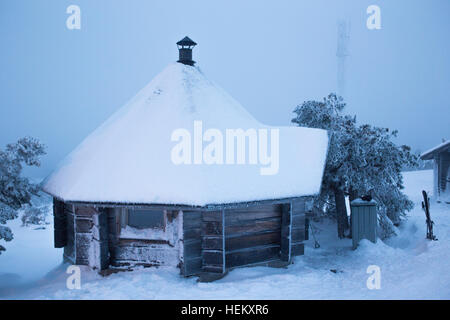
(15, 190)
(422, 164)
(362, 160)
(34, 215)
(6, 213)
(37, 212)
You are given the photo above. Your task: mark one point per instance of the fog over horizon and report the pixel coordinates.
(59, 85)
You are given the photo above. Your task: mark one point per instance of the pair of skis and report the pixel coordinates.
(426, 208)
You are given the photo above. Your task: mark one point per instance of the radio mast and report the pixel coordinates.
(343, 37)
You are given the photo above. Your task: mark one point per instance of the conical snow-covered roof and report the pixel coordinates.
(128, 158)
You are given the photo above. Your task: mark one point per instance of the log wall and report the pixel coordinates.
(203, 240)
(192, 243)
(91, 237)
(212, 241)
(252, 235)
(299, 207)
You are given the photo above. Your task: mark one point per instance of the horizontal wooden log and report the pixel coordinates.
(212, 268)
(212, 242)
(82, 261)
(192, 214)
(85, 211)
(212, 228)
(192, 249)
(83, 224)
(298, 221)
(212, 257)
(192, 266)
(192, 234)
(155, 254)
(297, 249)
(83, 238)
(253, 255)
(298, 234)
(192, 219)
(252, 213)
(252, 226)
(298, 206)
(252, 240)
(141, 242)
(212, 215)
(82, 252)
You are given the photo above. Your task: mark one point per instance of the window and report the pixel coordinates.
(147, 224)
(144, 219)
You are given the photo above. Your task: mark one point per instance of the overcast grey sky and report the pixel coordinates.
(59, 85)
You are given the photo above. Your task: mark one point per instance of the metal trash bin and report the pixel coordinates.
(364, 220)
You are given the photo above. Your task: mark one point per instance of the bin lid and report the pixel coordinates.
(361, 202)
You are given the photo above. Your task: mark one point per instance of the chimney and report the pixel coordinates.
(185, 46)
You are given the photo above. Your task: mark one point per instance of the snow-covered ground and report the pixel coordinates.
(411, 267)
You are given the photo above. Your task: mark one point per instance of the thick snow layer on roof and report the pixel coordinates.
(128, 158)
(427, 155)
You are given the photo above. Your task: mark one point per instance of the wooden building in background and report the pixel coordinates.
(441, 157)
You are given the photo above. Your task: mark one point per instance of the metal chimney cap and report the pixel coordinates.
(185, 46)
(186, 41)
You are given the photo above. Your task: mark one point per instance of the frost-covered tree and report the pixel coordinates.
(15, 190)
(327, 114)
(362, 160)
(378, 164)
(422, 164)
(34, 215)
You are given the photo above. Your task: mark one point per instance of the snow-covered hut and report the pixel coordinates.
(441, 156)
(134, 193)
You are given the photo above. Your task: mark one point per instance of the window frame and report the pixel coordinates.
(122, 222)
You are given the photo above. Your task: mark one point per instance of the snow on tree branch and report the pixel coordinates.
(361, 160)
(15, 190)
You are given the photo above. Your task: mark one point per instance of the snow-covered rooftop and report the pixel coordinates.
(428, 155)
(128, 158)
